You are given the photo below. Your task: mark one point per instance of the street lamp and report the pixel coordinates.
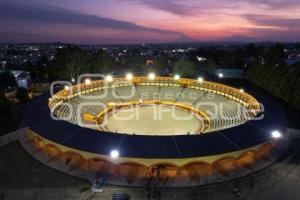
(276, 134)
(109, 78)
(176, 77)
(87, 81)
(200, 79)
(129, 76)
(114, 154)
(151, 76)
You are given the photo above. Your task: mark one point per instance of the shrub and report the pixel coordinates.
(22, 95)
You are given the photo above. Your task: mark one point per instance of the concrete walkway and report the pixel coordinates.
(11, 137)
(24, 178)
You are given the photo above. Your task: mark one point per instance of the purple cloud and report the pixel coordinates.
(275, 28)
(180, 8)
(46, 23)
(265, 34)
(168, 6)
(194, 7)
(276, 4)
(57, 15)
(264, 20)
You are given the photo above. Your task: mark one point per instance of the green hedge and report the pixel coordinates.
(279, 79)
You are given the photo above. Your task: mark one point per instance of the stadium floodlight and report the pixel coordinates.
(241, 90)
(151, 76)
(87, 81)
(67, 87)
(276, 134)
(200, 79)
(129, 76)
(220, 75)
(176, 77)
(114, 154)
(109, 78)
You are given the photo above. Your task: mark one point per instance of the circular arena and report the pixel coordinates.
(137, 131)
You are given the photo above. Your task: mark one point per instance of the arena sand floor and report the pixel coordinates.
(151, 120)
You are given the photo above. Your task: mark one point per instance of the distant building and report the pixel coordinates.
(229, 73)
(150, 61)
(201, 59)
(293, 58)
(292, 61)
(3, 64)
(22, 77)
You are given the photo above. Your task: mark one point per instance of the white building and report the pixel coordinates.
(22, 77)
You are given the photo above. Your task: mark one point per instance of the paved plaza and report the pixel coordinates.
(23, 178)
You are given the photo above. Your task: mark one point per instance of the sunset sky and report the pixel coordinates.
(148, 21)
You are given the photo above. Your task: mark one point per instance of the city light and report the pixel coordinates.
(114, 154)
(73, 80)
(201, 59)
(151, 76)
(276, 134)
(87, 81)
(129, 76)
(176, 77)
(67, 87)
(109, 78)
(200, 79)
(220, 75)
(241, 90)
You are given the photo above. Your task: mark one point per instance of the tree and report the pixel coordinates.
(7, 80)
(5, 110)
(162, 63)
(69, 63)
(288, 85)
(4, 102)
(238, 58)
(101, 62)
(39, 71)
(22, 95)
(295, 82)
(135, 60)
(184, 67)
(210, 67)
(251, 50)
(280, 80)
(275, 54)
(216, 56)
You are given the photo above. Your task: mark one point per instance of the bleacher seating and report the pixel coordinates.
(222, 111)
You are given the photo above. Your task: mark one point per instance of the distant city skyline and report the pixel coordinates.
(148, 21)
